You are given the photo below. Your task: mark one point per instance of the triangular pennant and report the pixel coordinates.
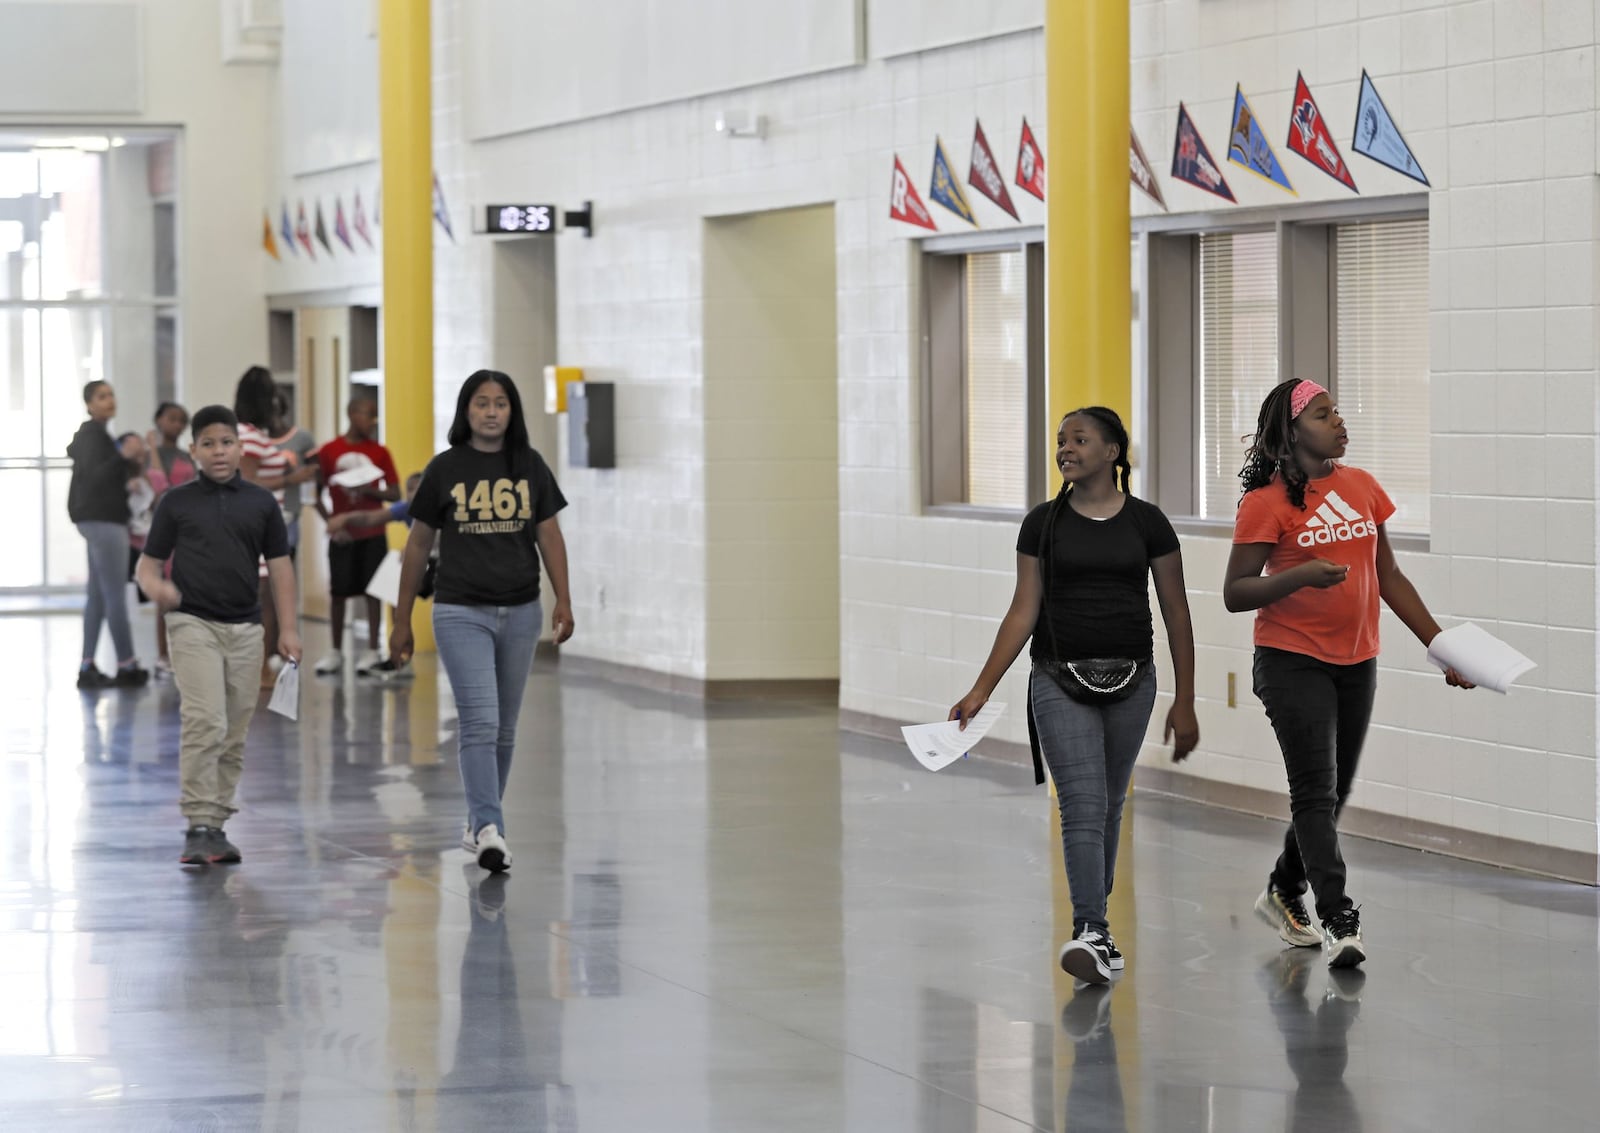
(269, 241)
(1309, 136)
(1248, 146)
(1140, 173)
(984, 175)
(321, 229)
(440, 212)
(1379, 138)
(945, 189)
(340, 228)
(358, 220)
(302, 231)
(377, 206)
(904, 203)
(1191, 160)
(1030, 163)
(286, 230)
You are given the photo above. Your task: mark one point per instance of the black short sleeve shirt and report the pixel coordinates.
(216, 535)
(1097, 597)
(486, 507)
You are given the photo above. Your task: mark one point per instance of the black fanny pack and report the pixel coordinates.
(1097, 680)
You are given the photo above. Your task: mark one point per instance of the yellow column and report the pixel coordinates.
(405, 82)
(1087, 267)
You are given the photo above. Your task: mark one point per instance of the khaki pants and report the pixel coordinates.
(217, 668)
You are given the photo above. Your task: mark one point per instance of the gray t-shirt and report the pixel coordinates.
(301, 444)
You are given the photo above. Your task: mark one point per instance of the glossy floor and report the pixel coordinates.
(720, 918)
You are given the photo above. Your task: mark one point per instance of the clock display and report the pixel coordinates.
(522, 218)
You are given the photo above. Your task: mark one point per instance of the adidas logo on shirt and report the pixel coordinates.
(1336, 522)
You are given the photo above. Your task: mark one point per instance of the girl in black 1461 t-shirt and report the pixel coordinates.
(493, 501)
(1084, 561)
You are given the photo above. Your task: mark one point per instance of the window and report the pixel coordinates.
(984, 336)
(1238, 355)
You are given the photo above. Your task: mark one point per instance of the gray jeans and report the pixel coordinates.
(1091, 750)
(108, 588)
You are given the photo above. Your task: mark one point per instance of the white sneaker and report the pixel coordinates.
(1341, 940)
(368, 660)
(468, 842)
(1287, 914)
(493, 853)
(332, 663)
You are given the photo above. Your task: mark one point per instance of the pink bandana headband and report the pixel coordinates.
(1301, 397)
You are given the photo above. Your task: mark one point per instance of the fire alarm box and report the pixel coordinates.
(592, 425)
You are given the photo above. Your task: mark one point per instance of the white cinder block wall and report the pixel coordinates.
(1496, 97)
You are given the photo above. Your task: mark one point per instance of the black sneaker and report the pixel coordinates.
(1085, 957)
(196, 846)
(1341, 939)
(221, 851)
(1113, 957)
(92, 677)
(131, 676)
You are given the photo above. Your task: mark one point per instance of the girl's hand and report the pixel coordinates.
(1456, 680)
(1322, 574)
(968, 707)
(1183, 729)
(401, 644)
(561, 623)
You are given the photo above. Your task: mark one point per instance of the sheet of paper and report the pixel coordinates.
(356, 477)
(1479, 656)
(286, 692)
(939, 745)
(385, 584)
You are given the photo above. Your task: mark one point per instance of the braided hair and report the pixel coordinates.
(1115, 432)
(1271, 450)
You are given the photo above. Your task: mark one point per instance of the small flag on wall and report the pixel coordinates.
(1030, 163)
(1191, 160)
(358, 220)
(377, 206)
(1379, 138)
(1248, 146)
(1310, 138)
(1140, 173)
(302, 230)
(904, 203)
(340, 228)
(945, 189)
(984, 175)
(440, 212)
(322, 229)
(269, 240)
(286, 230)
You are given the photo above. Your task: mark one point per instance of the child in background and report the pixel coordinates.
(398, 512)
(216, 529)
(145, 485)
(177, 469)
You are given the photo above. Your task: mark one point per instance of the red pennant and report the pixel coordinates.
(302, 231)
(1030, 163)
(1139, 171)
(1309, 136)
(984, 174)
(904, 202)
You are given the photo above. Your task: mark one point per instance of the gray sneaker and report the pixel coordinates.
(1287, 913)
(220, 851)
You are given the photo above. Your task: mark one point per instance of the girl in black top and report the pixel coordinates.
(493, 501)
(1083, 561)
(97, 503)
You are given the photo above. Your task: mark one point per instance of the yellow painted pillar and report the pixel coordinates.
(405, 82)
(1087, 268)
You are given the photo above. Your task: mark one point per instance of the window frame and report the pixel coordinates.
(1169, 265)
(941, 307)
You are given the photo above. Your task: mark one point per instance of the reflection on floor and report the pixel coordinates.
(721, 918)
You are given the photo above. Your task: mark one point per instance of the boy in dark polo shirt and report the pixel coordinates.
(217, 528)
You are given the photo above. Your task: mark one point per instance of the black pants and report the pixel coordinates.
(1320, 713)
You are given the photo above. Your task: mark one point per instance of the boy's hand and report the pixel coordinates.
(337, 523)
(289, 644)
(166, 596)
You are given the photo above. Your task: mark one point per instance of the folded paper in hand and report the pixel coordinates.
(1479, 656)
(286, 693)
(356, 477)
(385, 584)
(939, 745)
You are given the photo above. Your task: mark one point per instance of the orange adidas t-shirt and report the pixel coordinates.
(1340, 523)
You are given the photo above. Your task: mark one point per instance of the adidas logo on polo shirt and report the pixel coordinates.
(1336, 522)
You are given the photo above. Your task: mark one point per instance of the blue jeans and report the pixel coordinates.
(1091, 750)
(108, 588)
(487, 652)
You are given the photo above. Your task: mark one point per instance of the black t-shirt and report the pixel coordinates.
(216, 535)
(98, 491)
(1097, 598)
(486, 513)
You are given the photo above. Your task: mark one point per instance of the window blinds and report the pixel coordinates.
(1238, 356)
(1382, 360)
(997, 379)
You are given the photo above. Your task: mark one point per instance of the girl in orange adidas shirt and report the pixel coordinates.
(1312, 558)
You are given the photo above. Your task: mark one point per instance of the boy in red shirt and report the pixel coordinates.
(1312, 558)
(356, 469)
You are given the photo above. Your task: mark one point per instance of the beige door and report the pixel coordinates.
(323, 371)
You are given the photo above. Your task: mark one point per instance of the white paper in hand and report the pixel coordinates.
(385, 584)
(356, 477)
(1479, 656)
(286, 693)
(939, 745)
